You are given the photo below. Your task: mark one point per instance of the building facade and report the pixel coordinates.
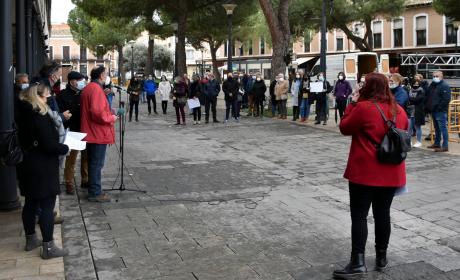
(72, 56)
(24, 30)
(420, 29)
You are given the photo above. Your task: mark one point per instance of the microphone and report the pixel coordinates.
(121, 112)
(120, 88)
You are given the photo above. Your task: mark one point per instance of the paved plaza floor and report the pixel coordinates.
(259, 199)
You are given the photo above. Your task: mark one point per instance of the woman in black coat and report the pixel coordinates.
(38, 173)
(258, 89)
(417, 98)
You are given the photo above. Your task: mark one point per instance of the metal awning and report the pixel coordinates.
(302, 60)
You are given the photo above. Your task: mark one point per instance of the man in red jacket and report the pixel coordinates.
(97, 121)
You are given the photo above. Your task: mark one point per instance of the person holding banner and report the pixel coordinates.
(321, 88)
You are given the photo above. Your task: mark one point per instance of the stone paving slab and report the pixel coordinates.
(259, 199)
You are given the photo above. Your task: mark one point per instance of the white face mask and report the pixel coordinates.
(107, 80)
(436, 80)
(258, 79)
(393, 85)
(321, 78)
(254, 77)
(297, 76)
(363, 79)
(340, 77)
(280, 79)
(24, 86)
(81, 84)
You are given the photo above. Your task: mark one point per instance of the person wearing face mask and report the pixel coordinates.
(259, 88)
(165, 90)
(231, 89)
(150, 87)
(439, 94)
(134, 90)
(21, 82)
(250, 95)
(296, 86)
(211, 91)
(398, 91)
(306, 100)
(97, 121)
(69, 99)
(49, 76)
(342, 91)
(322, 110)
(417, 111)
(281, 93)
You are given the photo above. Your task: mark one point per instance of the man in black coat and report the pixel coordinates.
(69, 100)
(231, 89)
(211, 91)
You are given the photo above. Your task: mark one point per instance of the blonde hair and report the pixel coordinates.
(32, 95)
(397, 78)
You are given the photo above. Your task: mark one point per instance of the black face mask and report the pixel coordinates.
(415, 87)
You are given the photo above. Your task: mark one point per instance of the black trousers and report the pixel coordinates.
(164, 106)
(259, 105)
(211, 103)
(197, 113)
(295, 112)
(321, 104)
(154, 101)
(133, 104)
(341, 105)
(46, 206)
(361, 199)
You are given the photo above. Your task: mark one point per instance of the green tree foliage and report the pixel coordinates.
(162, 58)
(450, 8)
(138, 54)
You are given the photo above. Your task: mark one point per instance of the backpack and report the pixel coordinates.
(395, 144)
(11, 152)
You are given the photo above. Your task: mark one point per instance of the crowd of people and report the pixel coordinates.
(43, 112)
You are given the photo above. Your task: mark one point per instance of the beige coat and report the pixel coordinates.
(281, 90)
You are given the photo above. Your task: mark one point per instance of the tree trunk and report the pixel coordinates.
(149, 64)
(361, 43)
(215, 69)
(180, 46)
(278, 24)
(121, 70)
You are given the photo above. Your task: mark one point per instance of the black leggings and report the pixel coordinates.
(197, 113)
(29, 212)
(341, 105)
(164, 106)
(361, 198)
(154, 103)
(133, 104)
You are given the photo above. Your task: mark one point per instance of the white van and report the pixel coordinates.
(353, 65)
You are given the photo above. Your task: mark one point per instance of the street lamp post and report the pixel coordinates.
(175, 26)
(132, 58)
(322, 61)
(456, 24)
(229, 7)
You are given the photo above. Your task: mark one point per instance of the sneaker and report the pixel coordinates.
(198, 122)
(194, 122)
(100, 198)
(417, 145)
(226, 121)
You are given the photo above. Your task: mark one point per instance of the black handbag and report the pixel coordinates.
(395, 144)
(11, 152)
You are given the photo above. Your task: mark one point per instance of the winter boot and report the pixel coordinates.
(356, 266)
(32, 242)
(381, 261)
(50, 250)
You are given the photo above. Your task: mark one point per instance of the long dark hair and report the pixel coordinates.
(376, 89)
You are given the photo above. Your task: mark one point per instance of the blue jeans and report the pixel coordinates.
(143, 96)
(304, 108)
(274, 104)
(440, 128)
(96, 158)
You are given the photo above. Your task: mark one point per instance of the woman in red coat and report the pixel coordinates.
(370, 182)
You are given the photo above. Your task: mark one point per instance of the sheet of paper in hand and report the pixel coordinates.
(73, 140)
(193, 103)
(316, 87)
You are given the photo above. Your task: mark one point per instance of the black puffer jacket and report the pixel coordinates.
(38, 173)
(69, 99)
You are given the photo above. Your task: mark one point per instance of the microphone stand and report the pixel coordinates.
(122, 122)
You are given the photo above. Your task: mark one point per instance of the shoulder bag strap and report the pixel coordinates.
(388, 122)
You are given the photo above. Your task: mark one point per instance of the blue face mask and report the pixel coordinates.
(436, 80)
(321, 78)
(81, 84)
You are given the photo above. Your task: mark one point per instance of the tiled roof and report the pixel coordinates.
(60, 30)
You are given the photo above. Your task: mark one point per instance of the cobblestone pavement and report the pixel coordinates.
(259, 199)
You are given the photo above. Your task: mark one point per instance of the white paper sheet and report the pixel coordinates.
(73, 140)
(193, 103)
(316, 87)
